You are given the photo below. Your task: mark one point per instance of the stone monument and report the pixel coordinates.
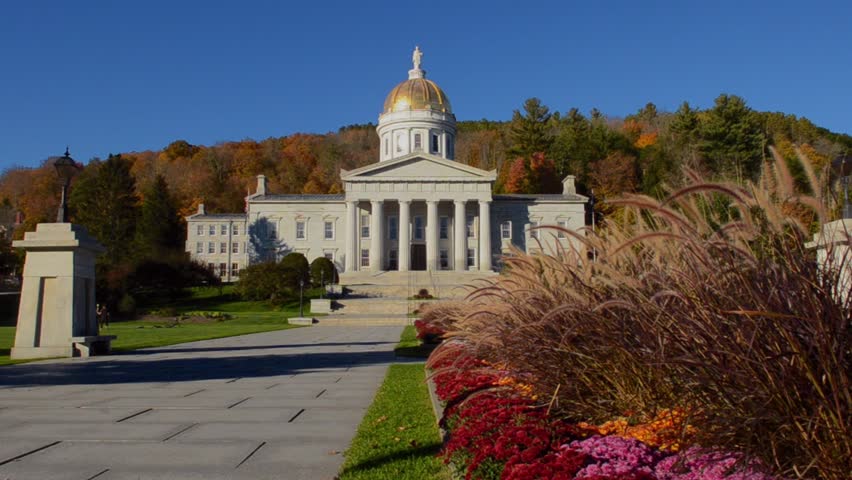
(57, 317)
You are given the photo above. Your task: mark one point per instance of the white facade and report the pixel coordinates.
(415, 209)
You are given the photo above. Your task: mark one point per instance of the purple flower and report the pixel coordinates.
(707, 464)
(616, 457)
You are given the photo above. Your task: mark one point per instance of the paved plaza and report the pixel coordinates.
(281, 405)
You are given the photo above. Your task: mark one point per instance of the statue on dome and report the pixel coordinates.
(416, 56)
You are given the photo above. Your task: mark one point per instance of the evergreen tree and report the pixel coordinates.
(732, 139)
(530, 131)
(104, 201)
(159, 228)
(571, 149)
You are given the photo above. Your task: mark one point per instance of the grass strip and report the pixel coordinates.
(410, 346)
(398, 438)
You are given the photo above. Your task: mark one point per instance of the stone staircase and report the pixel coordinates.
(385, 298)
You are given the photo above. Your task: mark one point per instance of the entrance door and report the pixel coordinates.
(418, 257)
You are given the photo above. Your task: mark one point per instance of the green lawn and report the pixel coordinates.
(248, 317)
(398, 437)
(410, 346)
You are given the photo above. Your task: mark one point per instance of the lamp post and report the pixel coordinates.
(301, 296)
(66, 168)
(322, 282)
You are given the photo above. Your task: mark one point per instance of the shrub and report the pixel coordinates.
(127, 305)
(294, 268)
(423, 294)
(722, 312)
(323, 269)
(262, 281)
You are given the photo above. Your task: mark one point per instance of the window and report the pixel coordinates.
(211, 267)
(399, 143)
(300, 230)
(365, 226)
(444, 231)
(418, 227)
(471, 257)
(506, 230)
(393, 259)
(235, 269)
(393, 228)
(365, 257)
(199, 247)
(223, 229)
(469, 226)
(418, 142)
(444, 257)
(199, 230)
(329, 255)
(271, 230)
(223, 247)
(451, 151)
(223, 269)
(211, 247)
(387, 146)
(435, 143)
(235, 230)
(235, 247)
(328, 230)
(212, 230)
(536, 234)
(562, 224)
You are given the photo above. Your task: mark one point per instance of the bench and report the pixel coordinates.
(89, 345)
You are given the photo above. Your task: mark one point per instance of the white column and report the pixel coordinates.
(460, 236)
(432, 235)
(351, 232)
(376, 247)
(484, 235)
(404, 235)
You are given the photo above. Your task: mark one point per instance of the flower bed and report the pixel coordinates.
(498, 430)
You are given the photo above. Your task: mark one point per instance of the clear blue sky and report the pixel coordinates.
(116, 76)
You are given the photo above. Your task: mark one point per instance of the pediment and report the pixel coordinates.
(418, 167)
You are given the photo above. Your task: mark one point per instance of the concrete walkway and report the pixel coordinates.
(278, 405)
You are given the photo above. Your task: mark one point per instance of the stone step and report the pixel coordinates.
(348, 306)
(363, 320)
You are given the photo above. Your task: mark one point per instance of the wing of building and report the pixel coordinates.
(415, 209)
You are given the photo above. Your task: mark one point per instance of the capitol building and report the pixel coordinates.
(414, 209)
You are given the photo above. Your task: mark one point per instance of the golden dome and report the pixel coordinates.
(417, 94)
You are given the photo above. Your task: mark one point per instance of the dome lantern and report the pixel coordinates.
(417, 116)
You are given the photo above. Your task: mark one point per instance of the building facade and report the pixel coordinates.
(415, 209)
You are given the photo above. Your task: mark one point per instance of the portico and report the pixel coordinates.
(418, 212)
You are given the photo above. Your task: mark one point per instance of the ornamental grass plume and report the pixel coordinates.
(708, 301)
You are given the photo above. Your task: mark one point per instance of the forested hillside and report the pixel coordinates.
(532, 152)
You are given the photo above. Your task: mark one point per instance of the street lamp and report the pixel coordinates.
(66, 168)
(322, 282)
(301, 296)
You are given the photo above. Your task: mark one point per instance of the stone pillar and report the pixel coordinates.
(376, 244)
(351, 232)
(432, 235)
(459, 236)
(404, 235)
(58, 291)
(484, 236)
